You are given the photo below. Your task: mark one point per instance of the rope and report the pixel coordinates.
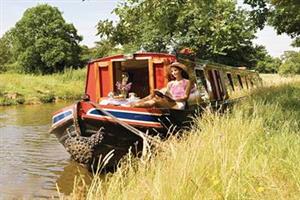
(132, 129)
(75, 117)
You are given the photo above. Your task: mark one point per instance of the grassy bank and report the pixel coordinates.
(33, 89)
(249, 153)
(276, 79)
(69, 85)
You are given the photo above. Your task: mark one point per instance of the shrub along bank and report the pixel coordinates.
(251, 152)
(33, 89)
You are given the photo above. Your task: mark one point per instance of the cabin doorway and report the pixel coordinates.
(138, 75)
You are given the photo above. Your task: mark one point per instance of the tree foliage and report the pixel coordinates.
(265, 62)
(291, 63)
(213, 29)
(5, 52)
(43, 42)
(283, 15)
(268, 65)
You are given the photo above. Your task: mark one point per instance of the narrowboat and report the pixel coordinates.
(103, 122)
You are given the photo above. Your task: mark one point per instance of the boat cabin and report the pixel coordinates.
(146, 72)
(149, 71)
(221, 81)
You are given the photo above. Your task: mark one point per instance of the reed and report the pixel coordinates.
(33, 89)
(251, 152)
(276, 79)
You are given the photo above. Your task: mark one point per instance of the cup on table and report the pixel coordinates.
(132, 95)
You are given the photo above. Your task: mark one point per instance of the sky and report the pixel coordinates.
(86, 14)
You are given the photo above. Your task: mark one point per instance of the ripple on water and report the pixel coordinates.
(32, 160)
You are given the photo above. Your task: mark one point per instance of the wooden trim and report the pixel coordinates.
(97, 78)
(166, 73)
(102, 64)
(143, 58)
(224, 88)
(209, 83)
(158, 61)
(111, 75)
(215, 80)
(151, 75)
(87, 78)
(117, 60)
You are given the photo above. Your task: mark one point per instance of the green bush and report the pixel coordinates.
(289, 68)
(34, 89)
(269, 65)
(47, 98)
(7, 102)
(20, 100)
(291, 64)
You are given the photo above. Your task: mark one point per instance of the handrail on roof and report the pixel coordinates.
(210, 64)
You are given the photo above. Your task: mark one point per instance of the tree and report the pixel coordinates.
(283, 15)
(43, 42)
(5, 52)
(86, 54)
(268, 65)
(264, 63)
(213, 29)
(291, 63)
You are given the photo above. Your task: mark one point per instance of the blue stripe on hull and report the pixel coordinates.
(61, 116)
(130, 116)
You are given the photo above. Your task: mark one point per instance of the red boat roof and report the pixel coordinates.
(141, 54)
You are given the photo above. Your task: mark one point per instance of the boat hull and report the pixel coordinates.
(89, 134)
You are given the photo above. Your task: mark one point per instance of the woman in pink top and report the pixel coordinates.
(177, 91)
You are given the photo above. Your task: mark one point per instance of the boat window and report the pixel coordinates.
(211, 85)
(235, 81)
(230, 82)
(251, 81)
(240, 80)
(246, 81)
(200, 80)
(220, 87)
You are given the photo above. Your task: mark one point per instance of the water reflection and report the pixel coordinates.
(68, 175)
(32, 161)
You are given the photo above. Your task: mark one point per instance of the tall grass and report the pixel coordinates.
(31, 89)
(251, 152)
(276, 79)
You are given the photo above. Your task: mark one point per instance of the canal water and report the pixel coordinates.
(33, 164)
